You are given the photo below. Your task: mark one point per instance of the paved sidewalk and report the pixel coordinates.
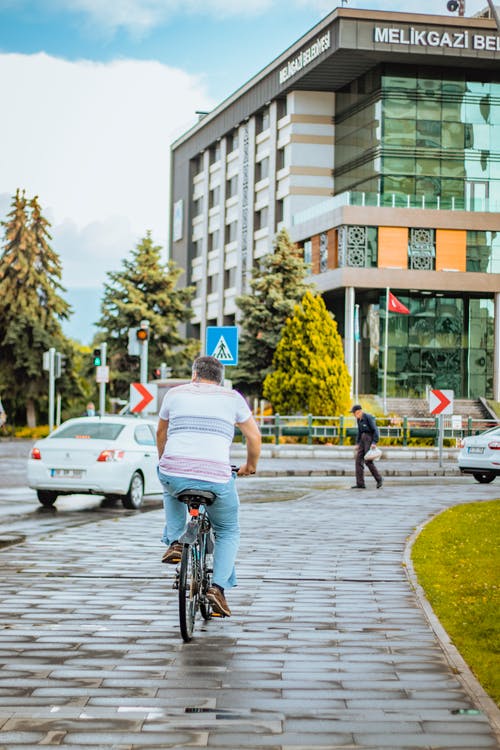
(326, 649)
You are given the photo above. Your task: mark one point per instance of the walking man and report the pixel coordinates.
(368, 437)
(194, 436)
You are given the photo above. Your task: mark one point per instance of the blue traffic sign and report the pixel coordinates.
(222, 343)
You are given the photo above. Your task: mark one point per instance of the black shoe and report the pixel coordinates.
(380, 483)
(358, 487)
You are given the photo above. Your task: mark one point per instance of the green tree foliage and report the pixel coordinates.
(310, 375)
(145, 289)
(31, 308)
(279, 284)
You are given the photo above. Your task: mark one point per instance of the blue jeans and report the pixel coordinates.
(223, 514)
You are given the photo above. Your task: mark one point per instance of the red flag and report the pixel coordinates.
(396, 306)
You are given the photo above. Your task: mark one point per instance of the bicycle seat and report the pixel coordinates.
(204, 497)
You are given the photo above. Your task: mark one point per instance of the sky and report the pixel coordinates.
(95, 91)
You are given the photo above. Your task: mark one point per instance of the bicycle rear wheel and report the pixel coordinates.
(189, 589)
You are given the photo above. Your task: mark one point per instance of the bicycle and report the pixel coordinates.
(193, 576)
(194, 573)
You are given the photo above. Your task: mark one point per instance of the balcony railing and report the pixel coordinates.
(342, 430)
(396, 200)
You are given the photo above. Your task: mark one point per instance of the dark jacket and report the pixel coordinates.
(367, 424)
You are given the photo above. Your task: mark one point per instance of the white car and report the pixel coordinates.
(112, 456)
(480, 455)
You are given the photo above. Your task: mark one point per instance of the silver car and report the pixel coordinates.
(113, 456)
(480, 455)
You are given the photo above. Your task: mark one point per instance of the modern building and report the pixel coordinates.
(375, 141)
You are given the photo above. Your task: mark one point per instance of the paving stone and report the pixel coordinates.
(327, 652)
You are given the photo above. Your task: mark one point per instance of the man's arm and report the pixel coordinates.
(251, 432)
(161, 436)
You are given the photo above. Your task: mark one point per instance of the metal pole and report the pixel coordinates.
(102, 386)
(144, 354)
(52, 386)
(386, 346)
(441, 435)
(58, 409)
(494, 13)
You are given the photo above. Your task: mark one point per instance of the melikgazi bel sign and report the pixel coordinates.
(432, 38)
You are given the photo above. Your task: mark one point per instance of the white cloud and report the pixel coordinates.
(92, 141)
(140, 16)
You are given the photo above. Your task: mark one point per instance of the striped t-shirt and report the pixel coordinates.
(201, 419)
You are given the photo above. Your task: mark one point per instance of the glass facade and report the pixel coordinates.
(429, 133)
(445, 342)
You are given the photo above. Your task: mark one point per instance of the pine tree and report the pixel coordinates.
(310, 375)
(276, 288)
(145, 289)
(31, 306)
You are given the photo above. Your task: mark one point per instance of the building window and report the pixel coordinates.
(281, 108)
(262, 121)
(197, 164)
(421, 249)
(214, 153)
(483, 252)
(232, 186)
(214, 197)
(262, 169)
(280, 158)
(262, 218)
(198, 206)
(231, 232)
(233, 141)
(230, 278)
(197, 248)
(213, 241)
(308, 252)
(212, 284)
(279, 211)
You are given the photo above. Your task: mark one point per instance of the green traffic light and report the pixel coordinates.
(97, 358)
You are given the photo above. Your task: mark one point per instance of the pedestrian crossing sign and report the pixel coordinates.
(222, 343)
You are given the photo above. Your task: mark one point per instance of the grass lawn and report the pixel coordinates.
(457, 561)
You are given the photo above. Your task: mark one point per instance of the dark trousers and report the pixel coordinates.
(364, 447)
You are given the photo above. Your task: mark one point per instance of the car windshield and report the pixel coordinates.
(90, 431)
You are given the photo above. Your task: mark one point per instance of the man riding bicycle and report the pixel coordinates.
(194, 436)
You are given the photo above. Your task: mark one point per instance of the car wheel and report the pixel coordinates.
(46, 497)
(133, 498)
(484, 477)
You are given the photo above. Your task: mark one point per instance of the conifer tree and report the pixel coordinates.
(279, 284)
(31, 306)
(309, 371)
(145, 289)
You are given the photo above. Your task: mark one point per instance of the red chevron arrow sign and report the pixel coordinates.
(441, 402)
(143, 398)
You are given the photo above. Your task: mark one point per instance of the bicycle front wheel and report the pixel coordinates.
(189, 590)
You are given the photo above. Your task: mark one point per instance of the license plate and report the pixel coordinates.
(475, 450)
(67, 473)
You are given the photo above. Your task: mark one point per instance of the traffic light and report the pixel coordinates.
(156, 373)
(59, 364)
(97, 358)
(142, 334)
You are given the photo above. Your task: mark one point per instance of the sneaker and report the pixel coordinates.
(173, 554)
(218, 601)
(380, 483)
(358, 487)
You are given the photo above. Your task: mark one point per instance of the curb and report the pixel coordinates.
(456, 661)
(7, 540)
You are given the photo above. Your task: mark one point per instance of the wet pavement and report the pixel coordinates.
(327, 647)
